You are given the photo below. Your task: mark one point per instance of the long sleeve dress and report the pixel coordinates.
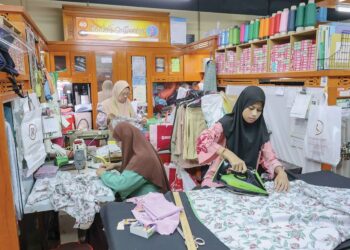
(208, 144)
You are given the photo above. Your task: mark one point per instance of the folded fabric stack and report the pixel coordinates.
(259, 59)
(220, 63)
(303, 55)
(244, 65)
(280, 56)
(154, 209)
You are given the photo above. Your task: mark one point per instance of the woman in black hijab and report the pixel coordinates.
(241, 137)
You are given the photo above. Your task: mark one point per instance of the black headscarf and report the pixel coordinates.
(242, 138)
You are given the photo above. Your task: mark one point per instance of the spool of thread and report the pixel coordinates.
(272, 24)
(246, 32)
(230, 36)
(291, 19)
(277, 22)
(284, 21)
(261, 23)
(310, 15)
(299, 20)
(241, 38)
(236, 35)
(251, 30)
(256, 29)
(267, 27)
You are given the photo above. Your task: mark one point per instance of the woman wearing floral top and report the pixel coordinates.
(241, 138)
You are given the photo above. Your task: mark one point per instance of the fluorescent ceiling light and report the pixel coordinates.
(343, 8)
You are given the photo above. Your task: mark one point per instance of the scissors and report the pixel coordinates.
(197, 241)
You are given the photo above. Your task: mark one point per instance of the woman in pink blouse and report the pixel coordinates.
(241, 137)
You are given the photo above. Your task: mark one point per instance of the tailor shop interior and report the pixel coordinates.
(175, 125)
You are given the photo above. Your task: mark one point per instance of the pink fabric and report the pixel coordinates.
(154, 209)
(210, 140)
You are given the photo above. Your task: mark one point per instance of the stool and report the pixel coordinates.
(74, 246)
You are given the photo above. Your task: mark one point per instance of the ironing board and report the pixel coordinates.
(116, 211)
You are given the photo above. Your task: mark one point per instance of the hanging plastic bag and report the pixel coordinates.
(323, 134)
(212, 108)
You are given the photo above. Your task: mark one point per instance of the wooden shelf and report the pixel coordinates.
(296, 74)
(4, 75)
(305, 33)
(260, 42)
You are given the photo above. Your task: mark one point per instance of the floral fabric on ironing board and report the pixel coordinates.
(307, 217)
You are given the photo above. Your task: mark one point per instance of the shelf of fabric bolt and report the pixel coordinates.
(39, 198)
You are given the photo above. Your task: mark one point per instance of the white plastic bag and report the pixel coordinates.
(212, 108)
(323, 134)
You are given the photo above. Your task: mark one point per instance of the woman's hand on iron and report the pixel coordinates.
(281, 180)
(237, 165)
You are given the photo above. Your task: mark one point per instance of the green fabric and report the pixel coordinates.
(128, 184)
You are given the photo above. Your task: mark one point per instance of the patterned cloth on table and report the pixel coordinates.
(307, 217)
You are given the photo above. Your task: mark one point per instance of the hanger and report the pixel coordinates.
(303, 91)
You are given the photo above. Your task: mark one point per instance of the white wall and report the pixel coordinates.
(48, 16)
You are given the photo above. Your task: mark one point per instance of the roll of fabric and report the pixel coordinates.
(242, 31)
(272, 24)
(310, 14)
(291, 19)
(277, 22)
(251, 30)
(246, 32)
(267, 27)
(284, 21)
(236, 35)
(256, 29)
(299, 21)
(261, 23)
(230, 36)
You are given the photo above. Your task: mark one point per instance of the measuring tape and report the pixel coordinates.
(184, 223)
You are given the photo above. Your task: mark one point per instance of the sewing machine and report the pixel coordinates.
(87, 135)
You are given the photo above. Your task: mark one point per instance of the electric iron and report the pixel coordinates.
(242, 183)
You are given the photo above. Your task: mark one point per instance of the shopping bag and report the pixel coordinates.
(323, 134)
(160, 135)
(32, 139)
(179, 179)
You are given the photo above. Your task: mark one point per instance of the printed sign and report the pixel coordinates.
(117, 29)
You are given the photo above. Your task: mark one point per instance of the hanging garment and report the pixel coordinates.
(194, 125)
(210, 77)
(306, 217)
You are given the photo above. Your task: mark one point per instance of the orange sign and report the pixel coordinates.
(116, 29)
